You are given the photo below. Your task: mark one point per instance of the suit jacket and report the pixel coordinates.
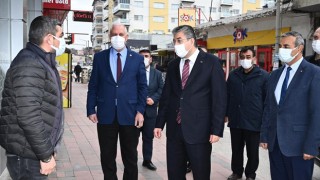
(296, 122)
(129, 93)
(154, 92)
(202, 103)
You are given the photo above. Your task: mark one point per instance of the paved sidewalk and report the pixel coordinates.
(78, 157)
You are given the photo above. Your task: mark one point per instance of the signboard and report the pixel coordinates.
(64, 68)
(57, 4)
(83, 16)
(187, 16)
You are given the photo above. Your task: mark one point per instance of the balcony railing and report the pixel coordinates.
(225, 14)
(121, 7)
(123, 21)
(106, 4)
(226, 2)
(187, 1)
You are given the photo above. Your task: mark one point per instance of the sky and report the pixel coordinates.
(70, 26)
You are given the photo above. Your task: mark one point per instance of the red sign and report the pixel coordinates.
(84, 16)
(57, 4)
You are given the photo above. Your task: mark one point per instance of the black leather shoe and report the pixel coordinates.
(234, 176)
(188, 167)
(149, 165)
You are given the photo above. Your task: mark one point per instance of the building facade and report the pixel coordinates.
(154, 19)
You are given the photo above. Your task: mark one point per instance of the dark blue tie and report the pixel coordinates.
(285, 86)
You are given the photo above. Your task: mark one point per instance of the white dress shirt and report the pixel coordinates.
(192, 59)
(148, 75)
(293, 71)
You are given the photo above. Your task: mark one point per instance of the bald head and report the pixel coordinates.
(118, 29)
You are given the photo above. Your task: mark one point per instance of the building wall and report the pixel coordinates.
(252, 5)
(158, 12)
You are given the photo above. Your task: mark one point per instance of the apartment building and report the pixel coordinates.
(154, 20)
(97, 25)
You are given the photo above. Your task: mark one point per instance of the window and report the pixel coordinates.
(158, 19)
(138, 17)
(158, 32)
(138, 30)
(158, 5)
(236, 11)
(175, 6)
(201, 7)
(251, 1)
(138, 4)
(213, 9)
(174, 20)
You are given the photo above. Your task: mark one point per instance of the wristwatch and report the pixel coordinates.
(47, 160)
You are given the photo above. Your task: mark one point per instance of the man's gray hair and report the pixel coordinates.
(187, 30)
(299, 38)
(118, 24)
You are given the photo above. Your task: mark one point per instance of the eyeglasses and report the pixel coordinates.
(179, 41)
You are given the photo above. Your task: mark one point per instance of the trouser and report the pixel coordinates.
(108, 140)
(178, 151)
(23, 168)
(147, 137)
(239, 139)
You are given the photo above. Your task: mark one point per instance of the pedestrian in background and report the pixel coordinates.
(192, 105)
(155, 85)
(315, 58)
(77, 71)
(31, 109)
(290, 124)
(116, 100)
(246, 87)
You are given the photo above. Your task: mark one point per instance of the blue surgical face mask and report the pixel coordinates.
(62, 46)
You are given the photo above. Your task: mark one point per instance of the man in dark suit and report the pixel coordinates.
(116, 100)
(155, 85)
(290, 124)
(193, 105)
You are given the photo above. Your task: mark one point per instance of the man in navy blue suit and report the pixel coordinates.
(192, 105)
(155, 85)
(291, 120)
(116, 100)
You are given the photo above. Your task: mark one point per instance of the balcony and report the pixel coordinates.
(226, 2)
(97, 14)
(123, 21)
(121, 8)
(187, 1)
(105, 29)
(106, 4)
(106, 16)
(225, 14)
(98, 5)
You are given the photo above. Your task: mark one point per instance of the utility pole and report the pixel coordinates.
(276, 53)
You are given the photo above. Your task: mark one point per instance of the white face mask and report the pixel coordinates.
(117, 42)
(180, 50)
(285, 55)
(316, 46)
(62, 46)
(146, 62)
(246, 63)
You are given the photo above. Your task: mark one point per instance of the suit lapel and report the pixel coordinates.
(127, 64)
(296, 79)
(275, 83)
(196, 68)
(151, 76)
(107, 64)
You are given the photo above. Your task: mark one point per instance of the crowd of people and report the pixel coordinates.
(128, 97)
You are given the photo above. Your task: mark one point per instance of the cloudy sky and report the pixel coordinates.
(71, 26)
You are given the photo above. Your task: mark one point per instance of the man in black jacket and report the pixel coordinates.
(315, 58)
(77, 71)
(246, 87)
(31, 123)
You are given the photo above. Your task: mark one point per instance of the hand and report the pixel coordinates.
(150, 102)
(139, 120)
(93, 118)
(157, 132)
(307, 156)
(48, 168)
(226, 119)
(264, 145)
(214, 138)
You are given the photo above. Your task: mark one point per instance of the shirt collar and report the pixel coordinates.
(148, 69)
(122, 52)
(193, 57)
(296, 65)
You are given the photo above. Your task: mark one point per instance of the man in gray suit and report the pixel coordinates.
(155, 85)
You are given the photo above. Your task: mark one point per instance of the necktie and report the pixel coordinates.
(185, 75)
(119, 68)
(284, 86)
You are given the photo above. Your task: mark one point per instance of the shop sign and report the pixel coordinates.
(83, 16)
(239, 34)
(57, 4)
(187, 17)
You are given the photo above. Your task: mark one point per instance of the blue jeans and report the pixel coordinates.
(22, 168)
